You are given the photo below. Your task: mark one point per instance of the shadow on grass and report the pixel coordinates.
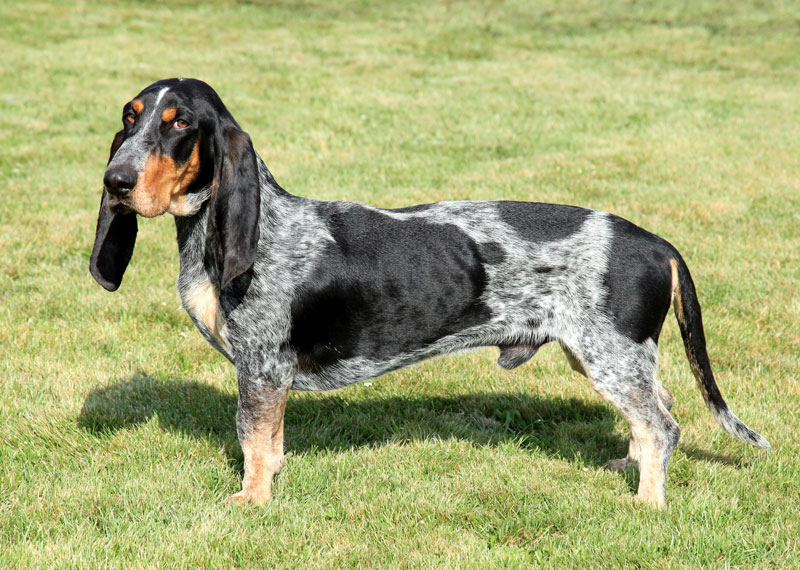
(566, 428)
(713, 457)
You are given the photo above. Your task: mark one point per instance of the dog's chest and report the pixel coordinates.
(201, 301)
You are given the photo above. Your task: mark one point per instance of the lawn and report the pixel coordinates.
(117, 432)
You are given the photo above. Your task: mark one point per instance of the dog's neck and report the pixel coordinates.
(198, 244)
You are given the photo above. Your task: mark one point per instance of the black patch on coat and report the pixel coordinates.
(537, 223)
(492, 253)
(638, 281)
(386, 287)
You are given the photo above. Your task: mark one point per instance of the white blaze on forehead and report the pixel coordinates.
(159, 96)
(133, 151)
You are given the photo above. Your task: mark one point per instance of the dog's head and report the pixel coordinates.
(179, 148)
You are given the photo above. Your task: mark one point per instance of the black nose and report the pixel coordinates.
(119, 181)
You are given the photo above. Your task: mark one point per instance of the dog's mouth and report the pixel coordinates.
(118, 206)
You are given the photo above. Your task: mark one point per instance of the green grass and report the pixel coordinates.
(117, 432)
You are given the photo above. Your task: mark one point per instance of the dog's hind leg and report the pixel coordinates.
(666, 396)
(633, 446)
(625, 375)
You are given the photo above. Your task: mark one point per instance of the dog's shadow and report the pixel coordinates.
(566, 428)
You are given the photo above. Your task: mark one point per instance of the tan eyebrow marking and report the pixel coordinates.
(137, 106)
(169, 114)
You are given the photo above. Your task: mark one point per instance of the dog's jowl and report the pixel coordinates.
(314, 295)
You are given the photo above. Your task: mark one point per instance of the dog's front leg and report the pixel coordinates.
(259, 423)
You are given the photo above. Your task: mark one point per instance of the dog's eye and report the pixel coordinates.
(180, 124)
(129, 118)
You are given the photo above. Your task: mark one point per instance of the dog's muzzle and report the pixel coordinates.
(120, 181)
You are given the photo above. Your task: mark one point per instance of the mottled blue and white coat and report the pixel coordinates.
(314, 295)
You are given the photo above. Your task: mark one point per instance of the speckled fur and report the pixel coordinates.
(533, 290)
(566, 305)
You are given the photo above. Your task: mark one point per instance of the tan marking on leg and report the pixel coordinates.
(202, 302)
(137, 106)
(642, 451)
(259, 467)
(263, 453)
(277, 445)
(652, 476)
(169, 114)
(634, 449)
(633, 446)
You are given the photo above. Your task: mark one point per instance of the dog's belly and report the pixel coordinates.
(518, 343)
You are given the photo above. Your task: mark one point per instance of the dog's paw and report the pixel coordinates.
(247, 497)
(656, 501)
(619, 464)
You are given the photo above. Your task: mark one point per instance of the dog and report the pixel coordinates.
(315, 295)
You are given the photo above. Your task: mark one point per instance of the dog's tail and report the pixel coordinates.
(687, 311)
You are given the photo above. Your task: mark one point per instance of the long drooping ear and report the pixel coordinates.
(114, 239)
(236, 203)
